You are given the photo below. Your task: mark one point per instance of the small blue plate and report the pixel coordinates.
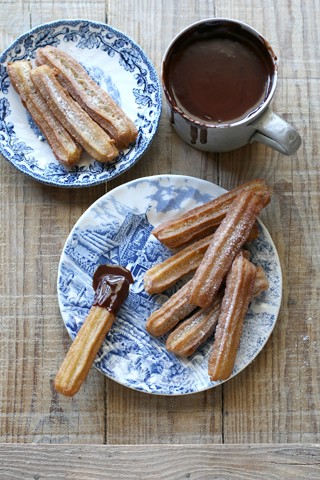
(117, 229)
(116, 63)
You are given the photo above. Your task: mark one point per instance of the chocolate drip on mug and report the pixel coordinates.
(203, 135)
(193, 134)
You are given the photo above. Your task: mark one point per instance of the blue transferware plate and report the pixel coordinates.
(117, 229)
(116, 63)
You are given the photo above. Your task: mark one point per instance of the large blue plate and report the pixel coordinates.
(117, 229)
(117, 63)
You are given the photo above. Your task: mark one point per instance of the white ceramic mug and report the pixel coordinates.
(187, 83)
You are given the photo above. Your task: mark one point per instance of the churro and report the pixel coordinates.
(63, 147)
(261, 282)
(226, 243)
(170, 313)
(96, 101)
(75, 120)
(203, 220)
(193, 332)
(165, 274)
(237, 296)
(111, 284)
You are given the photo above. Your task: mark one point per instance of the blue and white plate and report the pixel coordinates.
(117, 229)
(116, 63)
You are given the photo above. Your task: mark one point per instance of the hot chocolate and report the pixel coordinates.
(219, 75)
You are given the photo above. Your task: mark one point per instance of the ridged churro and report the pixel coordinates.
(193, 332)
(63, 146)
(261, 282)
(187, 337)
(237, 296)
(111, 285)
(83, 351)
(75, 120)
(203, 220)
(226, 243)
(97, 103)
(165, 274)
(170, 313)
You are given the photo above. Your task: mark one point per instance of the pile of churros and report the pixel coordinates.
(73, 112)
(211, 250)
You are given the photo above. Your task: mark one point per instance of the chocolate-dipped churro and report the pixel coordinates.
(111, 284)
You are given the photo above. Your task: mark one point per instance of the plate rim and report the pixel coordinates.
(265, 233)
(146, 60)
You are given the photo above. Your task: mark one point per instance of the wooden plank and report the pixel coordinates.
(228, 462)
(36, 221)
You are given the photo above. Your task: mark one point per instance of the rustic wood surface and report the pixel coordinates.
(148, 462)
(276, 399)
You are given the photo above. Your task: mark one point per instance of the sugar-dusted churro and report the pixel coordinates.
(165, 274)
(202, 220)
(226, 243)
(78, 123)
(193, 332)
(237, 296)
(170, 313)
(98, 104)
(111, 284)
(61, 143)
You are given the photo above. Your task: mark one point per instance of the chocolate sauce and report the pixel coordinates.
(218, 74)
(111, 284)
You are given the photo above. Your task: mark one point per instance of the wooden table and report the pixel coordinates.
(264, 423)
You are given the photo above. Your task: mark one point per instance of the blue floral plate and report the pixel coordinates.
(116, 63)
(117, 229)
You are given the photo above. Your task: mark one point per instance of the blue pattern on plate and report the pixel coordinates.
(118, 57)
(117, 229)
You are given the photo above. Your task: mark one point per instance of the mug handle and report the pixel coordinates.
(276, 133)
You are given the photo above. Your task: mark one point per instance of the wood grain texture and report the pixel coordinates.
(145, 462)
(275, 399)
(36, 221)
